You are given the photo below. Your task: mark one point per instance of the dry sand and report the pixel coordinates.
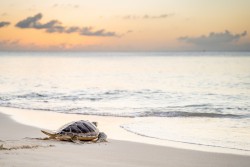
(19, 151)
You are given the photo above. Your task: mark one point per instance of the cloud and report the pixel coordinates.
(133, 17)
(217, 41)
(9, 44)
(4, 14)
(65, 6)
(17, 45)
(88, 31)
(56, 29)
(214, 40)
(128, 17)
(55, 5)
(84, 31)
(33, 22)
(76, 6)
(156, 17)
(72, 30)
(55, 26)
(4, 24)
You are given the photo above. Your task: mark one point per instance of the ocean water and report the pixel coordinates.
(200, 98)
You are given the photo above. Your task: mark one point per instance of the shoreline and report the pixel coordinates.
(114, 153)
(109, 125)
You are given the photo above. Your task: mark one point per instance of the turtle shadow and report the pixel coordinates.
(10, 145)
(77, 142)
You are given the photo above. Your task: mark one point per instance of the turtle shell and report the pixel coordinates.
(82, 129)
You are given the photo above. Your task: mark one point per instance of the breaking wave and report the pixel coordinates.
(142, 103)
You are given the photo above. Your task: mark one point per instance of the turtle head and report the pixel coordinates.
(102, 137)
(95, 123)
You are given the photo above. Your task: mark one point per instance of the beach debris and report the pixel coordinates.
(77, 132)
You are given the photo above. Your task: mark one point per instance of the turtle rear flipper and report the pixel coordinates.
(51, 134)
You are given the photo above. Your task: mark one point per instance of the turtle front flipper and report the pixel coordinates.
(51, 134)
(76, 140)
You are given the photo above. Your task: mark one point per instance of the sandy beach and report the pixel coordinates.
(18, 149)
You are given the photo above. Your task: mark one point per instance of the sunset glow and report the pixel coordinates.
(111, 25)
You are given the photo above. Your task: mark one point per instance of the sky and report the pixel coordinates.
(124, 25)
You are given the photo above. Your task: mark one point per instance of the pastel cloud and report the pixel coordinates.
(214, 38)
(55, 26)
(65, 5)
(146, 16)
(88, 31)
(9, 44)
(4, 14)
(4, 24)
(33, 22)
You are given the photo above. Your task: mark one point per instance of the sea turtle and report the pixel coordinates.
(77, 131)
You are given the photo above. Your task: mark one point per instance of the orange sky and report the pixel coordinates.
(116, 25)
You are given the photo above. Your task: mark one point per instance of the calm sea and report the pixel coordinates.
(188, 97)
